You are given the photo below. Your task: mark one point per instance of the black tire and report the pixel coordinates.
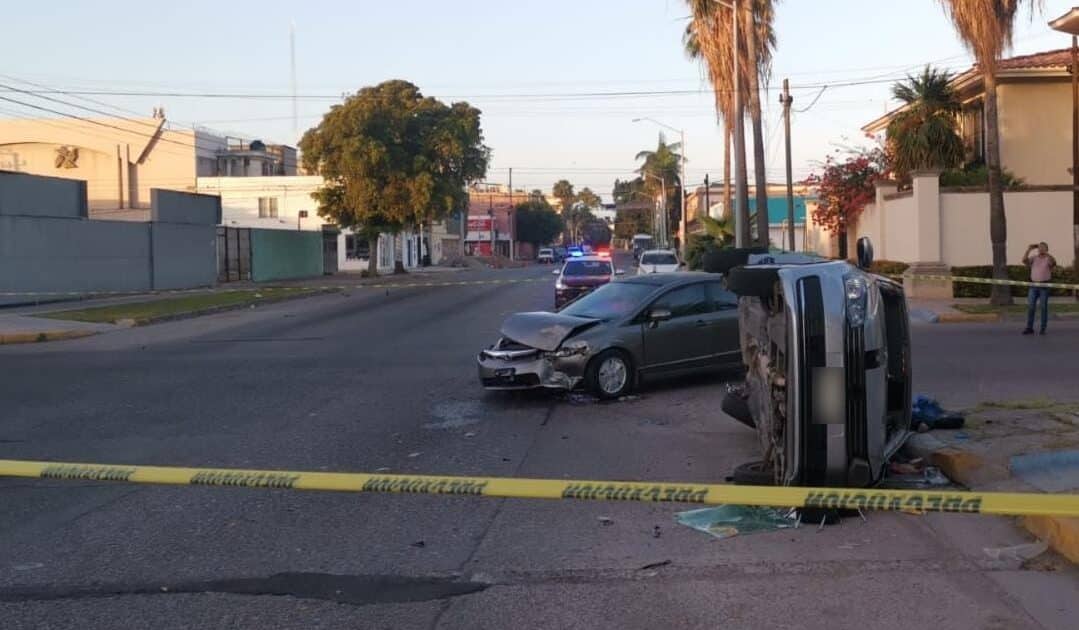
(723, 260)
(752, 281)
(754, 474)
(592, 374)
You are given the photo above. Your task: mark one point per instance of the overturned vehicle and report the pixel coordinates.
(826, 347)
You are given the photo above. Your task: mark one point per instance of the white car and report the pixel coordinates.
(546, 255)
(658, 261)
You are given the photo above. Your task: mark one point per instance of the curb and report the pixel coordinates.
(39, 337)
(970, 469)
(961, 318)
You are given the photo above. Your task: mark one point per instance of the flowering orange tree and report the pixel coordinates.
(844, 187)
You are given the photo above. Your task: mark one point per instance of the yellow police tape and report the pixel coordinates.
(1006, 503)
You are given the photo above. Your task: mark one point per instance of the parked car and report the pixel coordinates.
(581, 274)
(545, 256)
(663, 324)
(826, 346)
(658, 261)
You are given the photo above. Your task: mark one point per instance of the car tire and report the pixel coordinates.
(752, 281)
(753, 474)
(602, 376)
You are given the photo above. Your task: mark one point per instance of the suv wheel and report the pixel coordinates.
(610, 374)
(754, 474)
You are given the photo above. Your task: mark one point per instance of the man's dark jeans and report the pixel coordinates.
(1037, 293)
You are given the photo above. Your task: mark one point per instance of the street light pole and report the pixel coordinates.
(685, 191)
(662, 235)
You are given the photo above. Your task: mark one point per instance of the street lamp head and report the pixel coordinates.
(1067, 23)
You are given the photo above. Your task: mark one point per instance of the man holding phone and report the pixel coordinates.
(1041, 270)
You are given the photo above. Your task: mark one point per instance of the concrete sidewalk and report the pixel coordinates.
(15, 328)
(944, 312)
(992, 452)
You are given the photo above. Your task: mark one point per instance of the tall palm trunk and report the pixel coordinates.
(727, 212)
(760, 176)
(741, 173)
(998, 220)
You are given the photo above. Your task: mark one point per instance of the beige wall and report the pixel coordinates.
(1032, 217)
(899, 243)
(1035, 130)
(120, 159)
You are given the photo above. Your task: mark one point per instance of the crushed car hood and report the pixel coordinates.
(542, 330)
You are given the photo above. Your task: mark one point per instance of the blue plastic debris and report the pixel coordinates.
(927, 411)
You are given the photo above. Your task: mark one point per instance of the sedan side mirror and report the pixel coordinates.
(659, 314)
(619, 272)
(555, 272)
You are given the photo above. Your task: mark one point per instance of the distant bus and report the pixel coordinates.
(642, 242)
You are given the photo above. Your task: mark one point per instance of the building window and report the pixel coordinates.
(356, 247)
(267, 207)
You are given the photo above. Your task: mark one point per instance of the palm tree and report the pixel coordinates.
(664, 162)
(709, 38)
(986, 27)
(721, 230)
(924, 133)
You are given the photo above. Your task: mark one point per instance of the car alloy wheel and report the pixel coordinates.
(610, 374)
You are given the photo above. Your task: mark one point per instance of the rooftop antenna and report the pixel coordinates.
(292, 66)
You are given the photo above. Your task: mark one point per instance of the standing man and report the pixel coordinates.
(1041, 270)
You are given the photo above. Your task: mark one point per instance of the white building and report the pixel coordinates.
(285, 203)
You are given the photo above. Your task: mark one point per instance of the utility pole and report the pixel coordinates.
(685, 197)
(786, 100)
(491, 216)
(512, 217)
(707, 198)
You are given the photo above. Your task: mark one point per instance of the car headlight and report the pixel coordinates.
(568, 349)
(559, 286)
(857, 291)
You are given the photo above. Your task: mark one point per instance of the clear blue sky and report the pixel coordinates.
(483, 51)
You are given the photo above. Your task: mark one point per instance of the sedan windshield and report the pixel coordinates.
(610, 301)
(659, 259)
(576, 268)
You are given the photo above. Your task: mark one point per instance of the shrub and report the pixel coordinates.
(1015, 272)
(697, 246)
(888, 267)
(978, 175)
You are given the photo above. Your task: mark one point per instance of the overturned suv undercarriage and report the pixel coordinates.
(826, 348)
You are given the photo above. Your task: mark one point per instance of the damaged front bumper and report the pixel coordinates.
(529, 368)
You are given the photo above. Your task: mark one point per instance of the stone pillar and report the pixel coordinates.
(882, 187)
(925, 223)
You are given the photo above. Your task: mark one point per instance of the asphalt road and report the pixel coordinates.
(382, 379)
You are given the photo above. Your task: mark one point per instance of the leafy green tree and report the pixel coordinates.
(537, 222)
(628, 190)
(575, 219)
(563, 192)
(392, 157)
(632, 219)
(925, 133)
(588, 199)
